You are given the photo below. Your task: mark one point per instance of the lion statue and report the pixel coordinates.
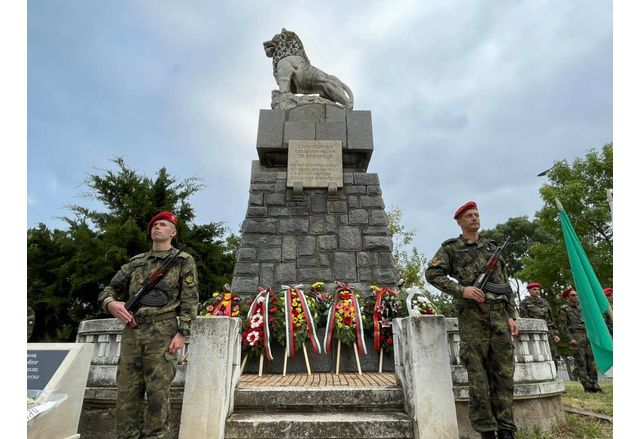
(295, 74)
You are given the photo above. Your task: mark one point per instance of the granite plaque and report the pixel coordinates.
(315, 163)
(41, 366)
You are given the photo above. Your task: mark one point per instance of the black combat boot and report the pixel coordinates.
(488, 434)
(506, 434)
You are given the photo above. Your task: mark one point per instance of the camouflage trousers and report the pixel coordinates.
(486, 352)
(145, 365)
(585, 365)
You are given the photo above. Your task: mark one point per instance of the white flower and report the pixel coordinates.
(256, 320)
(253, 338)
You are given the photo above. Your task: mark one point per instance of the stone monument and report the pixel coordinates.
(314, 212)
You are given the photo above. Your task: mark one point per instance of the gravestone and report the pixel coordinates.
(56, 378)
(314, 212)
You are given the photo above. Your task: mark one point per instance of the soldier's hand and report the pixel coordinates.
(513, 327)
(556, 338)
(573, 341)
(473, 293)
(118, 310)
(177, 342)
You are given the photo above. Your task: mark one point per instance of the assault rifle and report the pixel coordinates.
(483, 277)
(133, 303)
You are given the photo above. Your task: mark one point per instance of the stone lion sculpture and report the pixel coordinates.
(295, 74)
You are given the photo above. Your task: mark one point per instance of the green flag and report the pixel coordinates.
(593, 302)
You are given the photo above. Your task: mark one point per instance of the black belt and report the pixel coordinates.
(156, 318)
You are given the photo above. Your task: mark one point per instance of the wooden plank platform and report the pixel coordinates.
(367, 379)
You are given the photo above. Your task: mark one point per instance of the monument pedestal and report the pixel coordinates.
(299, 235)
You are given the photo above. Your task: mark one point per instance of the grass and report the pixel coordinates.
(578, 426)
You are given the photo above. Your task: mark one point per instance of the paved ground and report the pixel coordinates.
(367, 379)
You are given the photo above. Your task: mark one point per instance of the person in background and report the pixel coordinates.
(535, 307)
(572, 324)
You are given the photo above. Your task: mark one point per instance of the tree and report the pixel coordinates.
(67, 268)
(582, 190)
(411, 264)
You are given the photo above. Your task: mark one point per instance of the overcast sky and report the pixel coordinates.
(469, 100)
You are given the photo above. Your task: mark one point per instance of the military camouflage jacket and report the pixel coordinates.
(571, 322)
(463, 260)
(177, 289)
(532, 308)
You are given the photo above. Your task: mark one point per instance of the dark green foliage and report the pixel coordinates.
(537, 251)
(67, 268)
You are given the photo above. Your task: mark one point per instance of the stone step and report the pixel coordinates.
(309, 399)
(379, 425)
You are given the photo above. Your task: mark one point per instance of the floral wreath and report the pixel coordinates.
(297, 316)
(418, 303)
(222, 304)
(386, 307)
(323, 300)
(256, 338)
(345, 319)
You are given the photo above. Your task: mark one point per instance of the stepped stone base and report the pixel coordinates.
(319, 425)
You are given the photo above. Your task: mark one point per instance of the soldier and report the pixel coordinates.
(535, 307)
(152, 336)
(607, 318)
(486, 349)
(572, 324)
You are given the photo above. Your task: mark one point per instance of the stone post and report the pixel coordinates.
(213, 372)
(423, 368)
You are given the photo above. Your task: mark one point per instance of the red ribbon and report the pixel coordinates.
(377, 314)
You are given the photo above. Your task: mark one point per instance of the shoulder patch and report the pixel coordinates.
(449, 241)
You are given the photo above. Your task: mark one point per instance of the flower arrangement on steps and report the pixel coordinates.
(344, 323)
(382, 306)
(292, 316)
(260, 323)
(295, 324)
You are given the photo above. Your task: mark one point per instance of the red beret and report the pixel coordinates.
(566, 292)
(168, 216)
(466, 206)
(533, 285)
(608, 292)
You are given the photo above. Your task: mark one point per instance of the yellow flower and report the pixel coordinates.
(226, 296)
(340, 325)
(318, 285)
(375, 288)
(216, 294)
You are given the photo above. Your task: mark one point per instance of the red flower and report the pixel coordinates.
(273, 309)
(347, 321)
(345, 295)
(389, 341)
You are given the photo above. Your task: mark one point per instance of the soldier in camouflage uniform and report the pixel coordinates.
(486, 320)
(572, 324)
(535, 307)
(153, 335)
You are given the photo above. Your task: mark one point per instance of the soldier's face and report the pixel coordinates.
(162, 231)
(573, 298)
(534, 292)
(469, 220)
